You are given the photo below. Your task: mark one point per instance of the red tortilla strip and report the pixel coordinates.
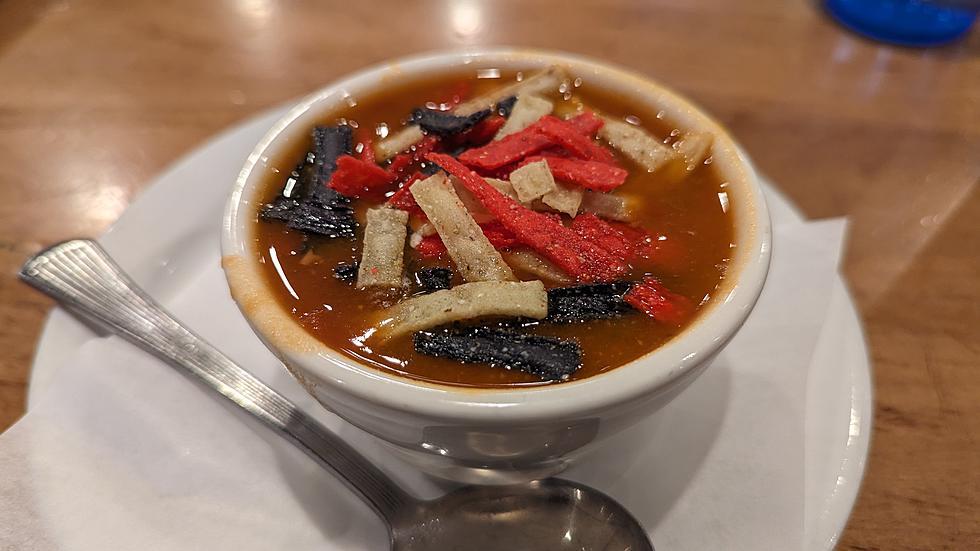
(512, 148)
(400, 164)
(603, 234)
(565, 248)
(640, 242)
(654, 300)
(586, 123)
(431, 247)
(632, 243)
(593, 175)
(483, 131)
(602, 155)
(367, 151)
(403, 198)
(569, 138)
(502, 173)
(499, 236)
(508, 150)
(403, 161)
(555, 152)
(357, 178)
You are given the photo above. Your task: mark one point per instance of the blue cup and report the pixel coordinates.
(906, 22)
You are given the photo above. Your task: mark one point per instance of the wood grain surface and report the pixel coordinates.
(97, 96)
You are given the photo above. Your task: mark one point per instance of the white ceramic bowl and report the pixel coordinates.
(496, 435)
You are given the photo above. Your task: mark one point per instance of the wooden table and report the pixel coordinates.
(98, 96)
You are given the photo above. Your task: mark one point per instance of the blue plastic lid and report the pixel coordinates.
(905, 22)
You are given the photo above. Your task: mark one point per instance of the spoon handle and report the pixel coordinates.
(81, 276)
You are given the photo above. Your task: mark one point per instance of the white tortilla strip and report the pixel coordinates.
(564, 198)
(382, 257)
(420, 225)
(547, 80)
(691, 150)
(694, 147)
(472, 204)
(532, 180)
(415, 239)
(506, 188)
(426, 229)
(420, 229)
(635, 143)
(467, 301)
(471, 251)
(536, 266)
(526, 112)
(607, 205)
(398, 142)
(543, 81)
(420, 233)
(503, 186)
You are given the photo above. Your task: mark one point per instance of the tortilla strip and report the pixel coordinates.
(426, 229)
(547, 80)
(635, 143)
(564, 198)
(471, 251)
(532, 180)
(607, 205)
(384, 248)
(536, 266)
(397, 142)
(544, 81)
(503, 186)
(690, 152)
(694, 147)
(474, 207)
(467, 301)
(421, 225)
(421, 228)
(527, 110)
(415, 238)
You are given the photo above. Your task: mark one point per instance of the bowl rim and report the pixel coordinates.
(315, 364)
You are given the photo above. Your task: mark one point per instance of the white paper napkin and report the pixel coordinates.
(125, 453)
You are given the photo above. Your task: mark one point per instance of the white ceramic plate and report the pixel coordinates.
(187, 200)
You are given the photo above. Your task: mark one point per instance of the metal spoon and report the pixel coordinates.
(548, 514)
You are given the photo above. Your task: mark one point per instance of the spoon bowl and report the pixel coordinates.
(551, 514)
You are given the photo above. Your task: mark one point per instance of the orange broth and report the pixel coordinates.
(688, 213)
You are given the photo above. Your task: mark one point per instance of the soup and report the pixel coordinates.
(486, 229)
